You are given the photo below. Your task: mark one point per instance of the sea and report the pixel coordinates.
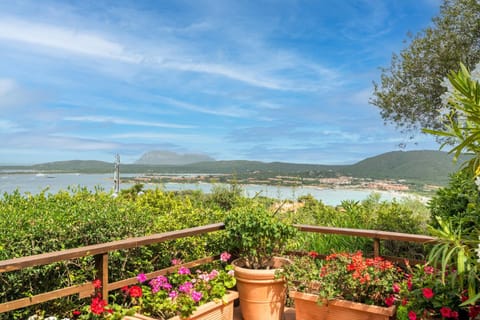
(34, 183)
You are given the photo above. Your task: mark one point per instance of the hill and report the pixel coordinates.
(432, 167)
(426, 165)
(90, 166)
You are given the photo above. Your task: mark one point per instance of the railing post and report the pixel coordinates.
(376, 247)
(101, 266)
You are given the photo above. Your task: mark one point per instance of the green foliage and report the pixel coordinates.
(456, 248)
(459, 200)
(225, 196)
(462, 123)
(407, 216)
(459, 234)
(256, 235)
(409, 94)
(33, 224)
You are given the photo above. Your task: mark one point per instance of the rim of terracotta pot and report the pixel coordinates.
(388, 311)
(259, 274)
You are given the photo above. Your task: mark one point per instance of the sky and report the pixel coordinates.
(265, 80)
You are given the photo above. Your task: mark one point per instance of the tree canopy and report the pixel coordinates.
(409, 92)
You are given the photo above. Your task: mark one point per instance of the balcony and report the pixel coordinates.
(100, 252)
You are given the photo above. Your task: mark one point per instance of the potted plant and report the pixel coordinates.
(188, 294)
(181, 294)
(343, 286)
(99, 308)
(258, 237)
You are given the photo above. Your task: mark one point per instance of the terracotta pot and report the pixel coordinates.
(308, 308)
(215, 310)
(261, 295)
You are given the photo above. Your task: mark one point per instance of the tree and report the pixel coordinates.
(409, 94)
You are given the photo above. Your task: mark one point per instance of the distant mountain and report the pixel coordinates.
(433, 167)
(171, 158)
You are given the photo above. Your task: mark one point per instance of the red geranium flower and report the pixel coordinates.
(135, 291)
(427, 293)
(446, 312)
(97, 283)
(390, 300)
(412, 315)
(98, 305)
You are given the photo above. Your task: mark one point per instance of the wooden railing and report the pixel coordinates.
(100, 253)
(376, 235)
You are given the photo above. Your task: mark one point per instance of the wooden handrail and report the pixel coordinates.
(97, 249)
(374, 234)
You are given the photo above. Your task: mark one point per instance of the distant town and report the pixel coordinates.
(341, 182)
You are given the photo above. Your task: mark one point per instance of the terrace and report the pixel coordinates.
(100, 253)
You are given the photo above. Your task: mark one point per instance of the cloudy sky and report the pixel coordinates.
(257, 80)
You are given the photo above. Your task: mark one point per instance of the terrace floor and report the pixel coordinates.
(289, 314)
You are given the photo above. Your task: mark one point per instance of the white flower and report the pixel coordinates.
(478, 251)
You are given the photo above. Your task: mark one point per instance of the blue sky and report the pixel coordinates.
(256, 80)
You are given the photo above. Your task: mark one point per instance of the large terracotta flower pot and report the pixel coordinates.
(215, 310)
(308, 308)
(261, 294)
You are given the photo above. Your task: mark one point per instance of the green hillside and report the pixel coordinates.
(425, 166)
(415, 166)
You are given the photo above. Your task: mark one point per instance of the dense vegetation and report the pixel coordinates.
(32, 224)
(409, 93)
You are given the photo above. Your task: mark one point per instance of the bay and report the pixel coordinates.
(35, 183)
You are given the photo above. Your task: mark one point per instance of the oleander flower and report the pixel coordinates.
(424, 295)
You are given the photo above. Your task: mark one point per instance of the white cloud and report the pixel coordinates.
(174, 55)
(234, 112)
(75, 41)
(122, 121)
(13, 96)
(6, 86)
(170, 137)
(7, 126)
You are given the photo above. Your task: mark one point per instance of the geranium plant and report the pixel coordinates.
(347, 276)
(177, 293)
(428, 293)
(182, 291)
(99, 308)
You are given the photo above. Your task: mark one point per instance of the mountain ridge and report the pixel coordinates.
(427, 166)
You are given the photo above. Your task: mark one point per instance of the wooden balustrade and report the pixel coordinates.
(376, 235)
(100, 253)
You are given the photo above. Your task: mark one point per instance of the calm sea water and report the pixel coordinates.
(35, 183)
